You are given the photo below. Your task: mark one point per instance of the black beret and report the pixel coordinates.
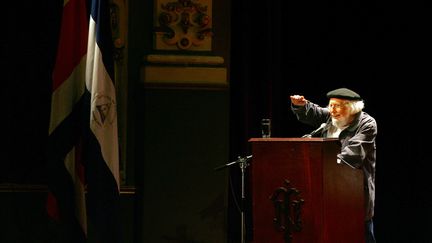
(344, 93)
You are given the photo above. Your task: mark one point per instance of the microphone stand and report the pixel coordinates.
(243, 163)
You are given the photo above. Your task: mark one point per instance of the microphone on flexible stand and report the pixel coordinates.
(319, 129)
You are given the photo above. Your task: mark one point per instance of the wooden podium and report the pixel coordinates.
(301, 195)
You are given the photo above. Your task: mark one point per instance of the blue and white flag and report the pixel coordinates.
(102, 166)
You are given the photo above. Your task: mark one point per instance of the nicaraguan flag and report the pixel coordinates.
(103, 166)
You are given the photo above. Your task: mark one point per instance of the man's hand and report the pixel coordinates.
(298, 100)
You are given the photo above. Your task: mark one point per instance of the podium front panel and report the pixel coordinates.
(301, 195)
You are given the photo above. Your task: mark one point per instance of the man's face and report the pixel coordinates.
(340, 112)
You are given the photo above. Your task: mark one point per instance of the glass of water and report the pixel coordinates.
(266, 128)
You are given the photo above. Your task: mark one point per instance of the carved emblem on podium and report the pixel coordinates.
(287, 205)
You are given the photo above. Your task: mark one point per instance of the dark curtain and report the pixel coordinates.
(28, 49)
(380, 49)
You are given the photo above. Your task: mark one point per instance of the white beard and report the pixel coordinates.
(340, 123)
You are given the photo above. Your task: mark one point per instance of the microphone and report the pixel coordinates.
(319, 129)
(240, 161)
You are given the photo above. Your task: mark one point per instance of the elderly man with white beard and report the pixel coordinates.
(345, 119)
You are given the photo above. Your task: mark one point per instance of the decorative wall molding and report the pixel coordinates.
(26, 188)
(183, 59)
(183, 25)
(184, 76)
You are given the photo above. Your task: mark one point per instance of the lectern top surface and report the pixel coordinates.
(294, 139)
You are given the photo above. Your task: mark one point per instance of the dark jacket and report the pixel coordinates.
(358, 147)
